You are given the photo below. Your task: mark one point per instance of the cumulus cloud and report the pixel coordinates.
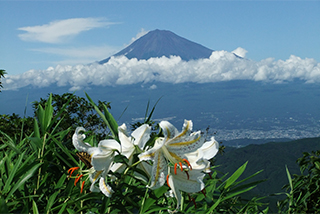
(57, 31)
(221, 66)
(240, 52)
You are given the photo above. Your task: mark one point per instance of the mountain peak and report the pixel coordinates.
(158, 43)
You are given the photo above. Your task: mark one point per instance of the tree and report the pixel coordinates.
(2, 73)
(79, 112)
(304, 189)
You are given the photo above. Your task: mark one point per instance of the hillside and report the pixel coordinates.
(272, 158)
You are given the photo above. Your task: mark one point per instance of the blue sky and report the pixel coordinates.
(40, 34)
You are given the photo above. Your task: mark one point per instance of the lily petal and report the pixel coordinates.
(209, 149)
(141, 135)
(105, 188)
(169, 131)
(107, 145)
(102, 161)
(77, 140)
(159, 171)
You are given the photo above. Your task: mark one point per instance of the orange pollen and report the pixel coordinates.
(168, 181)
(71, 170)
(188, 163)
(181, 166)
(175, 168)
(77, 179)
(82, 185)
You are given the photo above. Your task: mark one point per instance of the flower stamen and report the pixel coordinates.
(77, 179)
(187, 174)
(204, 192)
(168, 181)
(188, 163)
(192, 199)
(181, 166)
(82, 185)
(72, 169)
(175, 168)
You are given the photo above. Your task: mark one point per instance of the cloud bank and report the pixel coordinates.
(221, 66)
(58, 31)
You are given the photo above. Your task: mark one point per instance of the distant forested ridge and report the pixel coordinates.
(272, 157)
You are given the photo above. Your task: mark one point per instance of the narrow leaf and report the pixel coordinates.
(107, 118)
(51, 201)
(12, 173)
(34, 207)
(235, 175)
(23, 179)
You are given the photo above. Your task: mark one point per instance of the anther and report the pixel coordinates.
(168, 181)
(71, 170)
(181, 166)
(82, 185)
(77, 179)
(175, 168)
(188, 163)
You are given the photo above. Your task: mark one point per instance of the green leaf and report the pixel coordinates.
(3, 206)
(289, 178)
(62, 210)
(61, 111)
(23, 179)
(214, 206)
(107, 118)
(9, 142)
(48, 112)
(238, 193)
(147, 204)
(150, 115)
(51, 201)
(34, 207)
(40, 115)
(36, 128)
(12, 174)
(235, 175)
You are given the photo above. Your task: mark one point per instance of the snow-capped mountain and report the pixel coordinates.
(158, 43)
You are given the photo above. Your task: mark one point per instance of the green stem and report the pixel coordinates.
(40, 155)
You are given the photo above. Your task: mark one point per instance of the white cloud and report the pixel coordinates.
(240, 52)
(58, 31)
(140, 34)
(80, 55)
(221, 66)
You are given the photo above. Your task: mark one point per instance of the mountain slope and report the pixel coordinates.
(272, 158)
(158, 43)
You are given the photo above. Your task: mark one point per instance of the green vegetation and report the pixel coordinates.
(36, 154)
(2, 73)
(272, 158)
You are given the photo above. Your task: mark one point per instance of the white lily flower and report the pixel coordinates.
(171, 148)
(200, 158)
(187, 181)
(130, 144)
(101, 159)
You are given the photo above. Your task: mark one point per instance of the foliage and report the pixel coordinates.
(304, 189)
(15, 126)
(34, 178)
(78, 112)
(271, 157)
(2, 73)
